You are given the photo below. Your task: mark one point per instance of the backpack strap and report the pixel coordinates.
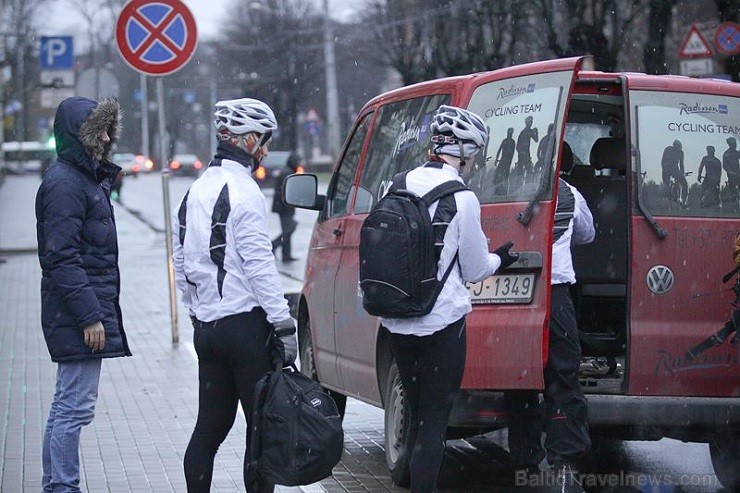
(435, 194)
(448, 271)
(399, 181)
(442, 190)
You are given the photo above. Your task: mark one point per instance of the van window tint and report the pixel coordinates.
(399, 142)
(687, 153)
(524, 117)
(341, 188)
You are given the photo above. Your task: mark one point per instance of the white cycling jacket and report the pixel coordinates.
(574, 224)
(221, 247)
(464, 234)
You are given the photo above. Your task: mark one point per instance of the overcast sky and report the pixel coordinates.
(61, 19)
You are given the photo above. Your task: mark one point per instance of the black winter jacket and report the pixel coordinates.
(76, 232)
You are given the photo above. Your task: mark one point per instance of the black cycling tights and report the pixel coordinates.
(233, 354)
(431, 369)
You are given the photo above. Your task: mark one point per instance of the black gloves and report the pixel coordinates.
(507, 257)
(285, 342)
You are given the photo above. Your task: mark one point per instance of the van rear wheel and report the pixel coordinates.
(397, 426)
(308, 367)
(725, 454)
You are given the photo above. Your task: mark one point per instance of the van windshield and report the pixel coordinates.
(687, 153)
(524, 116)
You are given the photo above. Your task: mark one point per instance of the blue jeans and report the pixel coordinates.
(73, 407)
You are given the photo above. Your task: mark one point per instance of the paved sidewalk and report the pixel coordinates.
(148, 403)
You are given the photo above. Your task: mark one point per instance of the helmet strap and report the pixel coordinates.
(462, 152)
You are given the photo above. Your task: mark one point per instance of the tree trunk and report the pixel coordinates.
(659, 20)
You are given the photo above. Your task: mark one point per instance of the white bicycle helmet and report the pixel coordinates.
(452, 125)
(245, 115)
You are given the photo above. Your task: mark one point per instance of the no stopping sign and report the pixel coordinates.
(156, 37)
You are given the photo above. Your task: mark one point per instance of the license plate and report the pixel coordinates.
(503, 288)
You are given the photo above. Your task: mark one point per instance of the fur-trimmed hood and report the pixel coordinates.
(77, 128)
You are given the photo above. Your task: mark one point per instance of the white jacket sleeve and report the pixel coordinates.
(475, 262)
(255, 250)
(583, 220)
(178, 260)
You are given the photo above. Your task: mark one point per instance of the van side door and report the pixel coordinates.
(326, 254)
(515, 181)
(398, 141)
(685, 136)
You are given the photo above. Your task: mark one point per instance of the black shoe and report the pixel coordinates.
(567, 480)
(290, 259)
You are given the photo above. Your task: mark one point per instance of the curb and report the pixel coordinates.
(11, 252)
(140, 216)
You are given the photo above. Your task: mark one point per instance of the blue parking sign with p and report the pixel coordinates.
(56, 53)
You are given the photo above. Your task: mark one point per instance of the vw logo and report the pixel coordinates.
(660, 279)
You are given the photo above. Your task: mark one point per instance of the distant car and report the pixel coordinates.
(272, 165)
(186, 164)
(133, 164)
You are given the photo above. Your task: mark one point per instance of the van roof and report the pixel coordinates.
(637, 80)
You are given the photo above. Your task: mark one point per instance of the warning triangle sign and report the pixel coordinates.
(694, 45)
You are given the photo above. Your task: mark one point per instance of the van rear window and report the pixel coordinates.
(524, 115)
(687, 153)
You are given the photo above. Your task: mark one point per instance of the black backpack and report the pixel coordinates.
(398, 255)
(297, 436)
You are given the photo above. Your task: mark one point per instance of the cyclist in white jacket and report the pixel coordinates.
(430, 350)
(225, 270)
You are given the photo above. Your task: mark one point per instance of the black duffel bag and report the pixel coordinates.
(297, 436)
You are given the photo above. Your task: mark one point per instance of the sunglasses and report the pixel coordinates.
(266, 138)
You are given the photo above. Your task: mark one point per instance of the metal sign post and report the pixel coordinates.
(167, 212)
(158, 37)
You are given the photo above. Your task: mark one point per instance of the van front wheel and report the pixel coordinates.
(396, 429)
(725, 454)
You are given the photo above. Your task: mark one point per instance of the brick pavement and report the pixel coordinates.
(148, 403)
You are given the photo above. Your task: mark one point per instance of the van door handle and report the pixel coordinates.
(337, 232)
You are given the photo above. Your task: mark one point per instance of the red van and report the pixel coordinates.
(649, 287)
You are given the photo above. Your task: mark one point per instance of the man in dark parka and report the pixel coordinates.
(80, 284)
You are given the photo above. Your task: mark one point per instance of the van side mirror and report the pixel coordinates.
(302, 191)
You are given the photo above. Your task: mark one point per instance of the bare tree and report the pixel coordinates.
(596, 27)
(271, 49)
(424, 39)
(404, 32)
(99, 17)
(659, 21)
(19, 30)
(477, 35)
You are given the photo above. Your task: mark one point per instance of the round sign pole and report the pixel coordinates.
(167, 212)
(158, 37)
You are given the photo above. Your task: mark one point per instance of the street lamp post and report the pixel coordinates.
(332, 104)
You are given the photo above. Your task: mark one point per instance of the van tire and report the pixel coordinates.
(396, 429)
(725, 454)
(308, 368)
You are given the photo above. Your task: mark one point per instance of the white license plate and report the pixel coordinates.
(503, 288)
